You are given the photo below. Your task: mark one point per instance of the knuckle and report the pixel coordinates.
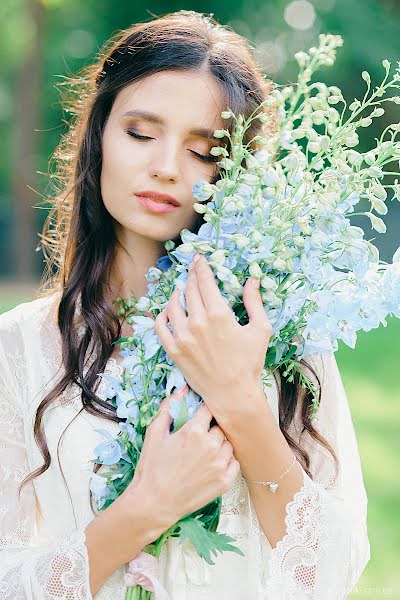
(213, 443)
(226, 480)
(227, 444)
(215, 315)
(267, 327)
(184, 339)
(196, 325)
(195, 430)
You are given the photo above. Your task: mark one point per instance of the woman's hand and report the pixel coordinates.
(180, 472)
(217, 356)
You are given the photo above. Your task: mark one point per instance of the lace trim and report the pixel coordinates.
(293, 562)
(63, 573)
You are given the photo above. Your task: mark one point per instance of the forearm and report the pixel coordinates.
(264, 455)
(116, 536)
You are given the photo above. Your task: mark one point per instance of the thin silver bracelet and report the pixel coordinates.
(273, 486)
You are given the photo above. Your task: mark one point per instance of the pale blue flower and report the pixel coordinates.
(109, 452)
(100, 491)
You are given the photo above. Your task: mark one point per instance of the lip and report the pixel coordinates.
(154, 205)
(159, 196)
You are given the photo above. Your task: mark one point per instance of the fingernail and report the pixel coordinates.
(256, 282)
(196, 257)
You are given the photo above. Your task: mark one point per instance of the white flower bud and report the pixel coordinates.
(227, 114)
(241, 241)
(314, 147)
(203, 247)
(256, 236)
(333, 115)
(365, 122)
(279, 264)
(220, 133)
(186, 248)
(226, 164)
(200, 208)
(251, 179)
(386, 64)
(324, 142)
(366, 76)
(375, 171)
(377, 223)
(271, 178)
(378, 205)
(301, 58)
(218, 151)
(262, 117)
(143, 304)
(318, 117)
(351, 140)
(378, 190)
(377, 112)
(299, 241)
(334, 99)
(369, 157)
(268, 283)
(218, 257)
(169, 245)
(255, 270)
(355, 105)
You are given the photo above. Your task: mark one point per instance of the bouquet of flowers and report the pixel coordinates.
(280, 214)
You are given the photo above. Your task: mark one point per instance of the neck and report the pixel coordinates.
(133, 258)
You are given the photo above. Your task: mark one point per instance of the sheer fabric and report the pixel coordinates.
(43, 555)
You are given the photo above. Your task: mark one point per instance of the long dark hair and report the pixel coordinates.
(78, 239)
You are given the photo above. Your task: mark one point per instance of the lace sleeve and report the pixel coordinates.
(326, 547)
(28, 570)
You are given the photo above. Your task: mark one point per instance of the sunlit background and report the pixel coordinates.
(42, 42)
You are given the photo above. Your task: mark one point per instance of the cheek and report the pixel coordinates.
(120, 165)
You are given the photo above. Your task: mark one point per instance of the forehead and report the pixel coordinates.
(187, 99)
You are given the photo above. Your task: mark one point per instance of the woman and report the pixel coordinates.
(145, 116)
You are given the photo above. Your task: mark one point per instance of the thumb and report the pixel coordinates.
(252, 301)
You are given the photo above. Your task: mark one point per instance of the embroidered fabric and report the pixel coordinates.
(43, 554)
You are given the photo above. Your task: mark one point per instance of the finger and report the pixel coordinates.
(163, 333)
(217, 434)
(208, 287)
(226, 452)
(233, 469)
(175, 312)
(194, 302)
(202, 416)
(253, 303)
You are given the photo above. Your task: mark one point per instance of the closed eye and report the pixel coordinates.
(209, 158)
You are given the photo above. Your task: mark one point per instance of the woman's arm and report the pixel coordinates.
(316, 546)
(264, 455)
(118, 534)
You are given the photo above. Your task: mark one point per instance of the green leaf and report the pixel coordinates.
(182, 416)
(205, 542)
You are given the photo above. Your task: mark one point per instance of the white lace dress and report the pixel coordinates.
(43, 554)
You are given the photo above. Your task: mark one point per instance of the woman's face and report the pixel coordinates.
(178, 105)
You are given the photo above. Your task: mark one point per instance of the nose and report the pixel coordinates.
(165, 162)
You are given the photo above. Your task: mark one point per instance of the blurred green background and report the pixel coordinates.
(41, 42)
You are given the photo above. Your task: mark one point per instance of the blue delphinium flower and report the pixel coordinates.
(109, 452)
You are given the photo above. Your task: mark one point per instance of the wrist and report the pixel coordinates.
(253, 404)
(142, 508)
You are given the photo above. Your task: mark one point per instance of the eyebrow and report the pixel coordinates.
(153, 118)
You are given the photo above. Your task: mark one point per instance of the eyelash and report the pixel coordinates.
(210, 158)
